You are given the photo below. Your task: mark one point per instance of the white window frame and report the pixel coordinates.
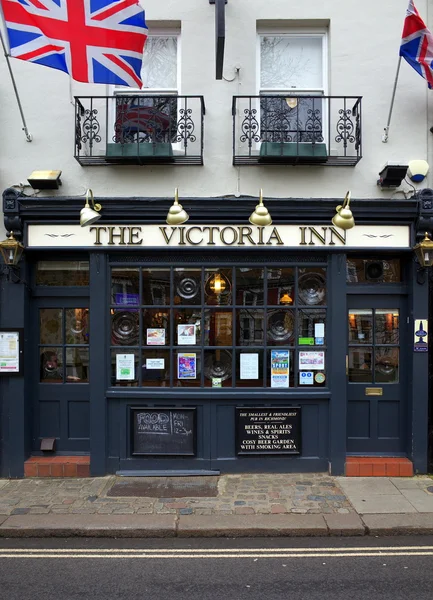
(321, 33)
(160, 91)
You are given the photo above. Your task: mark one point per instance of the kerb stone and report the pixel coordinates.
(349, 524)
(56, 525)
(251, 526)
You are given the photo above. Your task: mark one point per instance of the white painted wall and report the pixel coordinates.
(364, 40)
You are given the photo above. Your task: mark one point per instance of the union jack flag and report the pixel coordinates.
(417, 44)
(95, 41)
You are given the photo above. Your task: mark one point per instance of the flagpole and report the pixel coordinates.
(26, 131)
(385, 135)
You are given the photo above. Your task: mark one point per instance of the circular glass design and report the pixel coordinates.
(124, 328)
(280, 325)
(312, 288)
(187, 288)
(218, 367)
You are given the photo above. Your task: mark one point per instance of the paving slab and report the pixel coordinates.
(345, 524)
(415, 524)
(420, 500)
(89, 526)
(251, 526)
(366, 486)
(384, 504)
(411, 483)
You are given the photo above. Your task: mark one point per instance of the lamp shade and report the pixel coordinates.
(11, 250)
(344, 217)
(89, 215)
(260, 216)
(176, 215)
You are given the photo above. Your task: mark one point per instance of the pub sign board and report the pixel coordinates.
(275, 430)
(163, 431)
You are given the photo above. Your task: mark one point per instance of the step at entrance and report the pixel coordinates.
(57, 466)
(373, 466)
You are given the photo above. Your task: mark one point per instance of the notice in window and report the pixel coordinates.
(186, 335)
(9, 352)
(125, 367)
(249, 366)
(312, 361)
(280, 368)
(155, 337)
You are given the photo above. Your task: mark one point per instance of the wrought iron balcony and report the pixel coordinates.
(304, 129)
(139, 130)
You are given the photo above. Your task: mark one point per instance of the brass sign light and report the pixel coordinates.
(176, 215)
(89, 215)
(344, 217)
(261, 216)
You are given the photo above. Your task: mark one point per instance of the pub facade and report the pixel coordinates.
(173, 331)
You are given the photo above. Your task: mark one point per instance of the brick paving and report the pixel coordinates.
(237, 494)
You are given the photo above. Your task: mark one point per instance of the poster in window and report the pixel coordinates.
(155, 337)
(186, 335)
(279, 368)
(187, 365)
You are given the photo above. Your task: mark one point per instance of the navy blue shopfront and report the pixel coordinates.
(158, 349)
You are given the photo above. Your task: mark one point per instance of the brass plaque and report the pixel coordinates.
(374, 391)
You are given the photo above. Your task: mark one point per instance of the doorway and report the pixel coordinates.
(376, 377)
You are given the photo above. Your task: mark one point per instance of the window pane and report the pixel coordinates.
(125, 288)
(250, 326)
(312, 286)
(249, 286)
(217, 368)
(50, 323)
(360, 365)
(51, 365)
(159, 68)
(77, 365)
(218, 287)
(291, 62)
(156, 287)
(187, 368)
(249, 368)
(125, 327)
(311, 325)
(367, 270)
(281, 327)
(187, 326)
(281, 286)
(155, 368)
(387, 321)
(156, 327)
(218, 328)
(187, 286)
(119, 377)
(77, 325)
(62, 273)
(361, 326)
(386, 365)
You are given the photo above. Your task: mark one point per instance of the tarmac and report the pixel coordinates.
(246, 505)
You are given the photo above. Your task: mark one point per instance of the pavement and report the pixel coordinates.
(243, 505)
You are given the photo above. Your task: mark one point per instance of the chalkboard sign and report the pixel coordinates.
(163, 431)
(268, 430)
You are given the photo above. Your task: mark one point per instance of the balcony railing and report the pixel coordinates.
(308, 130)
(139, 130)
